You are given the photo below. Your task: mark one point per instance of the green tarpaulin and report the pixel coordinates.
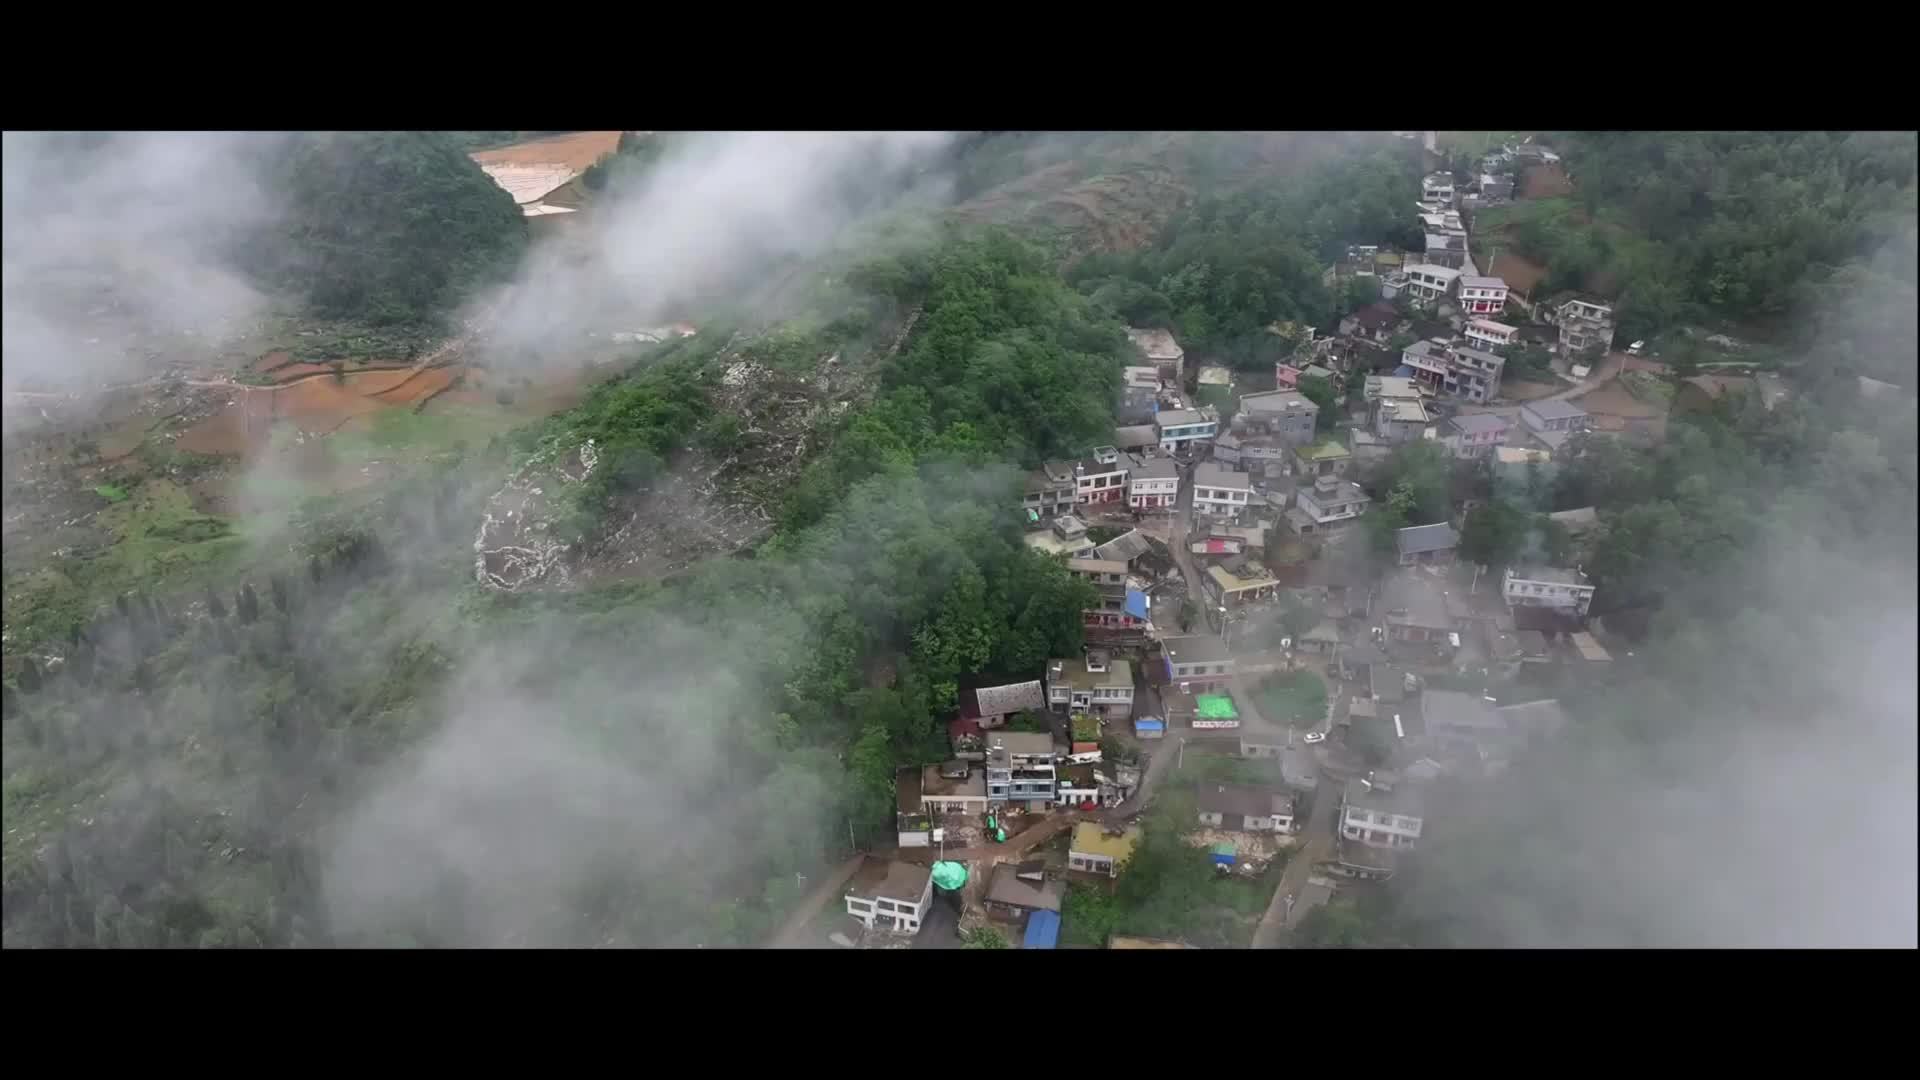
(949, 875)
(1215, 707)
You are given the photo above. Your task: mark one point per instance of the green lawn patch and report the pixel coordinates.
(1296, 697)
(111, 493)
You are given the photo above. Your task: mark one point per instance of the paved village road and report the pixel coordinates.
(1318, 846)
(790, 935)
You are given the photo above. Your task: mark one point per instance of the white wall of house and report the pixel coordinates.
(1553, 594)
(1100, 487)
(1153, 492)
(905, 915)
(1219, 502)
(1092, 864)
(1486, 337)
(1483, 299)
(1377, 828)
(1331, 510)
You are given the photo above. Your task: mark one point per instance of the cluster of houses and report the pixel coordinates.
(1033, 744)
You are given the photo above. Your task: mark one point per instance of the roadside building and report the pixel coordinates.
(1243, 808)
(1220, 492)
(890, 895)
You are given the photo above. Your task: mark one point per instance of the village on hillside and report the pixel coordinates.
(1243, 619)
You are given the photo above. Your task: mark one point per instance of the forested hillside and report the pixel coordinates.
(1223, 271)
(383, 227)
(1751, 228)
(212, 768)
(227, 730)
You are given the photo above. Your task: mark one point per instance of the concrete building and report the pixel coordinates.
(1099, 684)
(1286, 415)
(1553, 422)
(1050, 491)
(1426, 545)
(955, 787)
(1586, 324)
(1569, 591)
(1429, 284)
(1101, 478)
(1021, 771)
(1186, 429)
(1475, 435)
(1162, 352)
(1459, 371)
(1220, 492)
(1377, 814)
(1199, 660)
(890, 895)
(1489, 335)
(1482, 296)
(1153, 484)
(1399, 420)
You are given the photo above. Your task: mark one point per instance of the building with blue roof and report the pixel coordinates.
(1043, 930)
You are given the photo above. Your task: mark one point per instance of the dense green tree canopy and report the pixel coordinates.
(384, 226)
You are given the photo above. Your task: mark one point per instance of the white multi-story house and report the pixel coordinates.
(890, 895)
(1584, 325)
(1437, 188)
(1181, 428)
(1547, 586)
(1153, 483)
(1428, 284)
(1487, 334)
(1377, 815)
(1475, 435)
(1553, 422)
(1481, 295)
(1220, 492)
(1101, 478)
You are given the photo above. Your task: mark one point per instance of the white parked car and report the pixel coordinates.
(1316, 736)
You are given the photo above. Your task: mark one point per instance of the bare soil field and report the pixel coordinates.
(577, 151)
(1545, 182)
(1521, 274)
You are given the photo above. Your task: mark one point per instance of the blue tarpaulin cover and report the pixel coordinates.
(1043, 930)
(1136, 603)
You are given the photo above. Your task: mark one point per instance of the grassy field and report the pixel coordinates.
(160, 544)
(1297, 697)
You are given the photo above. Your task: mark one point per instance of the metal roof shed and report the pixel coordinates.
(1043, 930)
